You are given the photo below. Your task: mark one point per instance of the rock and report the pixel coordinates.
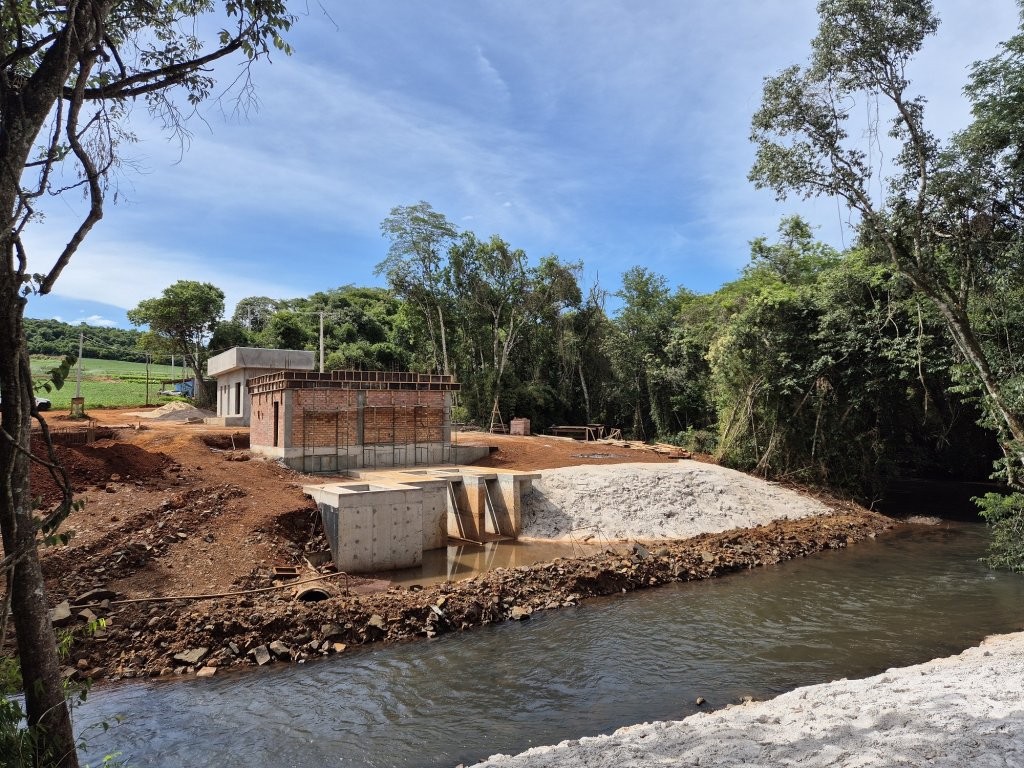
(519, 613)
(332, 632)
(280, 650)
(338, 647)
(641, 551)
(86, 615)
(261, 655)
(376, 621)
(700, 700)
(234, 649)
(61, 615)
(95, 596)
(207, 672)
(192, 657)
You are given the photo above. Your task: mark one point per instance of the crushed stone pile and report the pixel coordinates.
(174, 411)
(951, 712)
(654, 501)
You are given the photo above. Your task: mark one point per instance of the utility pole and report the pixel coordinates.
(322, 340)
(78, 381)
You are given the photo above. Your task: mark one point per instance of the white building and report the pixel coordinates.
(233, 369)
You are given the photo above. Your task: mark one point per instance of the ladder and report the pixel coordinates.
(497, 425)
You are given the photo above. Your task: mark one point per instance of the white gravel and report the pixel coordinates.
(654, 501)
(965, 710)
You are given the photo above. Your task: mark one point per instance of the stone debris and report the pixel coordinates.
(145, 640)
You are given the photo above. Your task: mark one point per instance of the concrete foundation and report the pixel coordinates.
(386, 520)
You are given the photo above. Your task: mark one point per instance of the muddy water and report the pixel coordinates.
(458, 562)
(909, 597)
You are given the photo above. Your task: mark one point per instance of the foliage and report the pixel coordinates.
(950, 216)
(70, 74)
(415, 270)
(637, 351)
(184, 319)
(25, 747)
(1005, 515)
(364, 328)
(54, 338)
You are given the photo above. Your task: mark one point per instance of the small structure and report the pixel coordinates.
(234, 368)
(345, 420)
(519, 427)
(385, 520)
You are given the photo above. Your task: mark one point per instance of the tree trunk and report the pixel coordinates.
(444, 342)
(45, 704)
(586, 392)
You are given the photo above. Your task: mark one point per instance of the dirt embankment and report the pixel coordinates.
(173, 511)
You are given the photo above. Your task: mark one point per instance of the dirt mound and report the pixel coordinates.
(176, 411)
(98, 464)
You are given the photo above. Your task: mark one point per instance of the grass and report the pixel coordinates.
(107, 383)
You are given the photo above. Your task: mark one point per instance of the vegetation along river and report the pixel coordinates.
(910, 596)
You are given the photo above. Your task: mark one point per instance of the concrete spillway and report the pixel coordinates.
(386, 520)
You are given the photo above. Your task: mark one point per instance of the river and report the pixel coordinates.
(905, 598)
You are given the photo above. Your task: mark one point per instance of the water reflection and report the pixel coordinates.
(464, 561)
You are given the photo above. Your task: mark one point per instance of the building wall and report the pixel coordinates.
(363, 427)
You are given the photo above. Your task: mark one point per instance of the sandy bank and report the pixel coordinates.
(957, 711)
(655, 501)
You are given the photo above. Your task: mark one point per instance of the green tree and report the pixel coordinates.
(185, 316)
(415, 269)
(949, 219)
(637, 343)
(254, 312)
(69, 72)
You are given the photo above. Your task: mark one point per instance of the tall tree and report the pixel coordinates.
(415, 268)
(638, 342)
(185, 315)
(68, 72)
(950, 216)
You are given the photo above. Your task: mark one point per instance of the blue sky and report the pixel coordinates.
(612, 132)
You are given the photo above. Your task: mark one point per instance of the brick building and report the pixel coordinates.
(342, 420)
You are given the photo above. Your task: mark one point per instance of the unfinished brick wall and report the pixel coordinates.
(261, 424)
(325, 417)
(345, 409)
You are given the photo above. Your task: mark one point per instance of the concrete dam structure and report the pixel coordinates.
(385, 520)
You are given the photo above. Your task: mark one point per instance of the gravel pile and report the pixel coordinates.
(654, 501)
(964, 710)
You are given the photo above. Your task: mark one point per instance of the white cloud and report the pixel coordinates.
(97, 320)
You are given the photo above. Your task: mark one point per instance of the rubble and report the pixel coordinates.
(264, 627)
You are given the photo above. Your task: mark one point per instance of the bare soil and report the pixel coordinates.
(177, 510)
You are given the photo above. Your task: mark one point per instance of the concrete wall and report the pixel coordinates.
(332, 429)
(372, 527)
(386, 520)
(258, 357)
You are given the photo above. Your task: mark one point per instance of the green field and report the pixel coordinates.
(108, 383)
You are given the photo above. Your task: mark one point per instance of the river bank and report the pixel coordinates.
(960, 710)
(175, 637)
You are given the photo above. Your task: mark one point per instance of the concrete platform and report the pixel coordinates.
(386, 519)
